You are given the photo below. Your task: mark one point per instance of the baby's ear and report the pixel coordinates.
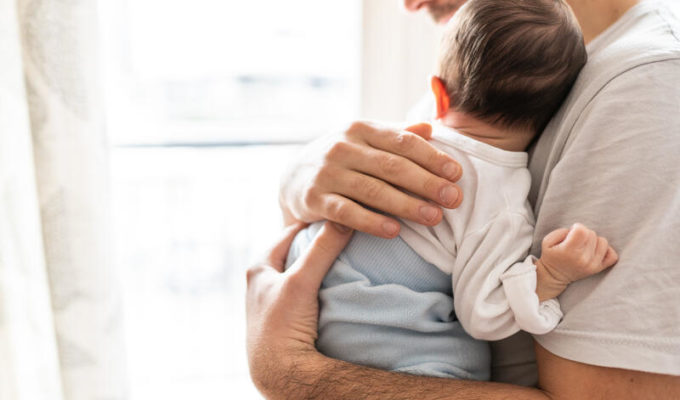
(441, 98)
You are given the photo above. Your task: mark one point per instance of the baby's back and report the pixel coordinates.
(494, 182)
(384, 306)
(389, 304)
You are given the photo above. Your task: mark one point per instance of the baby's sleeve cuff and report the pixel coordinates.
(519, 284)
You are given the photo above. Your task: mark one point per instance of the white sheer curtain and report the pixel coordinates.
(60, 329)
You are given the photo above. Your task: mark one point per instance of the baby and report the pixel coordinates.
(402, 304)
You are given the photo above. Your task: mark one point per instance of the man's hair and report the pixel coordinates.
(512, 62)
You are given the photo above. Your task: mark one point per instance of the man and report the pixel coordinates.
(608, 159)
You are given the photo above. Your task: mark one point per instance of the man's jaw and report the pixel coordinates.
(442, 12)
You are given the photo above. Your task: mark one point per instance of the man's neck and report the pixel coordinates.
(595, 16)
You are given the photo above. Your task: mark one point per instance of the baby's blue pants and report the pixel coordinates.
(383, 306)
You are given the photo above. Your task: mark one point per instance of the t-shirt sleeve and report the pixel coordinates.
(619, 174)
(494, 286)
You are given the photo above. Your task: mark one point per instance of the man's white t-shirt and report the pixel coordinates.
(610, 159)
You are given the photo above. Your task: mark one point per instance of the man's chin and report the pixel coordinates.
(444, 19)
(442, 13)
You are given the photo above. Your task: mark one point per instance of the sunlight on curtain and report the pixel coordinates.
(60, 330)
(29, 365)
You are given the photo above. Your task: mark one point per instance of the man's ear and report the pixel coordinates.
(441, 98)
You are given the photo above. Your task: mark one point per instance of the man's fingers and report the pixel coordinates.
(313, 265)
(555, 237)
(422, 129)
(404, 173)
(348, 213)
(276, 257)
(610, 258)
(377, 194)
(416, 149)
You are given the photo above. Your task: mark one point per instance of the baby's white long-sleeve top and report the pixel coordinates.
(484, 243)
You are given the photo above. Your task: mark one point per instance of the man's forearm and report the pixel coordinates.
(320, 377)
(282, 322)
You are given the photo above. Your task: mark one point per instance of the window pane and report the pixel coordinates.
(188, 222)
(216, 71)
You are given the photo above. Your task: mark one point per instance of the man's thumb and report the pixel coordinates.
(422, 129)
(313, 265)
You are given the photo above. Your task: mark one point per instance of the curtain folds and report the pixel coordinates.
(60, 321)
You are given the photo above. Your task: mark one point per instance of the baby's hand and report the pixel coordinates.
(568, 255)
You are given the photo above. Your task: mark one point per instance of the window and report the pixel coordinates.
(188, 223)
(206, 101)
(206, 71)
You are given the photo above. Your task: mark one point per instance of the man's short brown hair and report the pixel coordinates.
(512, 61)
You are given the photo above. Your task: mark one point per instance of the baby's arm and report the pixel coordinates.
(568, 255)
(495, 295)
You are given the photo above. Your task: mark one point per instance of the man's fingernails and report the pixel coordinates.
(448, 195)
(451, 170)
(391, 228)
(429, 213)
(341, 228)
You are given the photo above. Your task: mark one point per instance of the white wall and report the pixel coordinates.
(398, 55)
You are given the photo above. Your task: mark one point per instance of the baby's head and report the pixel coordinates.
(508, 64)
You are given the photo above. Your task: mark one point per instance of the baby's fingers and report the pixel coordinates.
(610, 258)
(555, 237)
(582, 239)
(600, 252)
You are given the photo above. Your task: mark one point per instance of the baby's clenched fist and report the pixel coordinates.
(568, 255)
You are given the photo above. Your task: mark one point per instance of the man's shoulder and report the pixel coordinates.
(648, 31)
(648, 34)
(643, 44)
(607, 161)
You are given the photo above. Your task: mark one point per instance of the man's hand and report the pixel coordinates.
(282, 311)
(568, 255)
(282, 307)
(338, 177)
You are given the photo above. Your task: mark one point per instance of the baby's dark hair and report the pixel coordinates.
(511, 62)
